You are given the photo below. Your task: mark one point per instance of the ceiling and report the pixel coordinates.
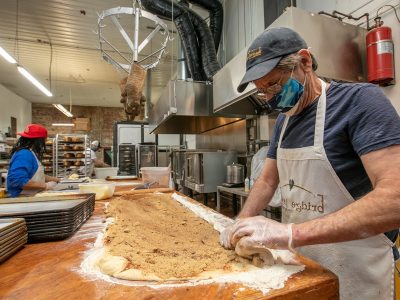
(78, 71)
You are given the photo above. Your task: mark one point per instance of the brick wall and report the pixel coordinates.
(101, 119)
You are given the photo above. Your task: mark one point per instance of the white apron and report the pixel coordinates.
(310, 189)
(38, 177)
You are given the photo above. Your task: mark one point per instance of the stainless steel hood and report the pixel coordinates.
(186, 107)
(338, 47)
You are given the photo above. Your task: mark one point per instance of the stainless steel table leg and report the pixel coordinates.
(218, 200)
(241, 202)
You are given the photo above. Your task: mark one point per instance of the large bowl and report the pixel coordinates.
(103, 190)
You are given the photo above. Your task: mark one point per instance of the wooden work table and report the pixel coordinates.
(52, 271)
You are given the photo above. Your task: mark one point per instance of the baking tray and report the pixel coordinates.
(56, 224)
(56, 221)
(7, 223)
(15, 244)
(27, 209)
(46, 198)
(47, 215)
(59, 223)
(11, 235)
(10, 230)
(51, 236)
(122, 177)
(6, 255)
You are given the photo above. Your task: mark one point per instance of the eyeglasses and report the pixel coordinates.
(271, 90)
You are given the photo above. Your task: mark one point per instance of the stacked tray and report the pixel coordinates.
(13, 235)
(51, 220)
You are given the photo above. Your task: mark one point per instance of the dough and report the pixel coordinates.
(260, 256)
(111, 265)
(163, 241)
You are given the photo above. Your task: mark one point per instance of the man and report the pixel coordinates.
(335, 156)
(94, 161)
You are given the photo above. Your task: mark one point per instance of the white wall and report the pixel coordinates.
(357, 8)
(12, 105)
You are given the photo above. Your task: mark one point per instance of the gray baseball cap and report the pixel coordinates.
(267, 50)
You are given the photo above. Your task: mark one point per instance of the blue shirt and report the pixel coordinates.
(359, 119)
(23, 167)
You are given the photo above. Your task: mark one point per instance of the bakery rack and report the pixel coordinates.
(48, 157)
(72, 155)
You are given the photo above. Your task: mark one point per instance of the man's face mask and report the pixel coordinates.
(288, 97)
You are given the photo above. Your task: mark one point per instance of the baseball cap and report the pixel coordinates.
(33, 131)
(267, 50)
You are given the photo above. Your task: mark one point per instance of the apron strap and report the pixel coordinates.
(285, 122)
(320, 117)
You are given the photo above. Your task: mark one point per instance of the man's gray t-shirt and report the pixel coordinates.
(359, 119)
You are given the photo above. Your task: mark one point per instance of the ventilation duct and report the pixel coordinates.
(216, 18)
(198, 42)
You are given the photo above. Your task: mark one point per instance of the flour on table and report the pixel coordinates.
(263, 279)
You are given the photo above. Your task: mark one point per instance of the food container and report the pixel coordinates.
(156, 176)
(103, 190)
(102, 173)
(2, 192)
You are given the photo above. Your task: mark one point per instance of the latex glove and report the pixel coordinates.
(50, 185)
(260, 232)
(226, 234)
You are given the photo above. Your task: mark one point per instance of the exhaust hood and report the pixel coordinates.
(186, 107)
(339, 49)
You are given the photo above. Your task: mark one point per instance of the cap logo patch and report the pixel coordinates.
(254, 53)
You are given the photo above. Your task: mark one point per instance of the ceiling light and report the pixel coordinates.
(34, 81)
(63, 124)
(7, 56)
(61, 108)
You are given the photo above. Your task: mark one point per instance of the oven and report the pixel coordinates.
(204, 171)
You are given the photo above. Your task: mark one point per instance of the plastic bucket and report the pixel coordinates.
(103, 190)
(156, 176)
(102, 173)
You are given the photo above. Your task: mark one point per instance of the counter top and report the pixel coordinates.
(52, 271)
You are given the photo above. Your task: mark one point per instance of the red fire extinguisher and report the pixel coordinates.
(380, 54)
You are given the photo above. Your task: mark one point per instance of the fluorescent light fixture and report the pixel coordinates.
(7, 56)
(63, 124)
(34, 81)
(61, 108)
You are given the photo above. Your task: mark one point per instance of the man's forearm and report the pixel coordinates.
(259, 197)
(377, 212)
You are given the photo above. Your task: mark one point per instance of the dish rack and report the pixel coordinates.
(71, 155)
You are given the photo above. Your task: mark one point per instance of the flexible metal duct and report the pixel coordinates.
(208, 54)
(186, 31)
(216, 17)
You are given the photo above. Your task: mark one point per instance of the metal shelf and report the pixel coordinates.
(60, 169)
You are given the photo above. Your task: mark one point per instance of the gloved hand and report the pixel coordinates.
(225, 235)
(50, 185)
(260, 232)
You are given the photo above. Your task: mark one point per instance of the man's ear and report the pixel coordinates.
(306, 60)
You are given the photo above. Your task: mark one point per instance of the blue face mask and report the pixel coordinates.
(288, 97)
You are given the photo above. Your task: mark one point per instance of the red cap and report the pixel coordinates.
(33, 131)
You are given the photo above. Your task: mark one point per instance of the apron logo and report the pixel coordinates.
(304, 202)
(291, 184)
